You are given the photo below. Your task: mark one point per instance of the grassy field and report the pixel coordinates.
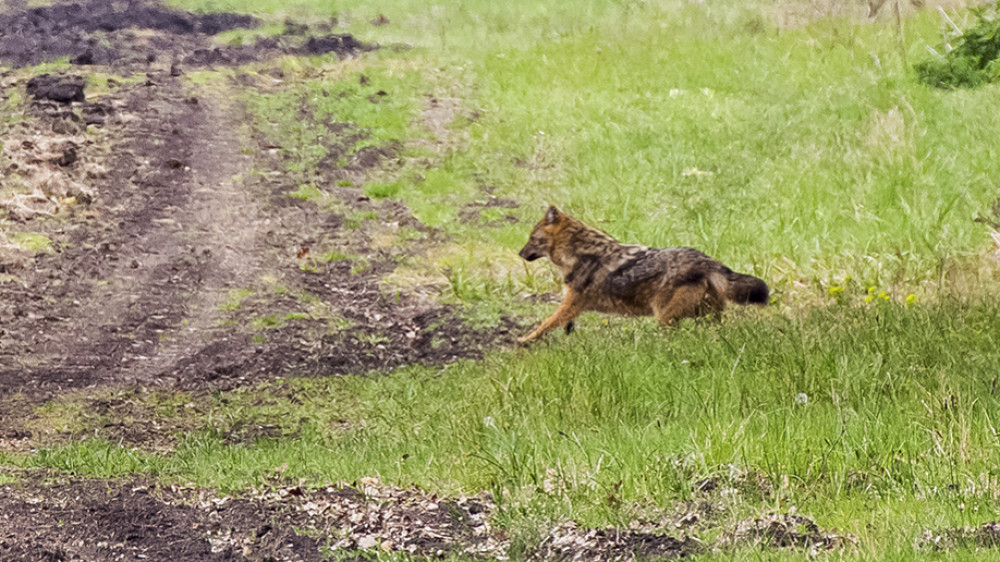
(801, 154)
(865, 397)
(879, 421)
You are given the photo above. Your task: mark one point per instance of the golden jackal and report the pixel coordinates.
(604, 275)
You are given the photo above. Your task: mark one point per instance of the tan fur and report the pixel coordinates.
(604, 275)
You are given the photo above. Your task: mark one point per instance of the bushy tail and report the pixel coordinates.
(746, 289)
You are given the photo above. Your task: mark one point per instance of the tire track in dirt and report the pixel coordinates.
(187, 214)
(218, 228)
(172, 219)
(133, 292)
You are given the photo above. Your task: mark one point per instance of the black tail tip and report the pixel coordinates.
(759, 294)
(747, 289)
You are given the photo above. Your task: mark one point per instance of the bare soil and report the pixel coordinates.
(169, 220)
(139, 520)
(135, 35)
(985, 536)
(178, 260)
(47, 517)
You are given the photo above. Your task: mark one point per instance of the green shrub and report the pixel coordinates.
(973, 62)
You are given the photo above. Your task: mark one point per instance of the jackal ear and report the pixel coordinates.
(552, 215)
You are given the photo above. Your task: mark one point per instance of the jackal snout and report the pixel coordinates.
(540, 240)
(530, 254)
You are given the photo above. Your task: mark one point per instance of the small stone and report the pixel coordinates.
(366, 542)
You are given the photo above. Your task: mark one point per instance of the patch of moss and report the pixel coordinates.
(31, 242)
(382, 190)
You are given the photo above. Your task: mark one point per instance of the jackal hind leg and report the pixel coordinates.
(714, 303)
(686, 301)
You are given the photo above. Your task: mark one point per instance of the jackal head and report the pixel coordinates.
(540, 243)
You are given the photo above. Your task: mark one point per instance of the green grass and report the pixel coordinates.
(876, 419)
(98, 459)
(349, 114)
(268, 322)
(31, 242)
(235, 298)
(798, 154)
(249, 36)
(334, 255)
(382, 190)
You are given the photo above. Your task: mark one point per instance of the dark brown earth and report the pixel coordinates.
(568, 542)
(136, 35)
(47, 517)
(136, 291)
(138, 520)
(179, 261)
(985, 536)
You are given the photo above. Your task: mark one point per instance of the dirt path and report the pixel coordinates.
(136, 292)
(179, 260)
(180, 239)
(207, 245)
(183, 266)
(140, 284)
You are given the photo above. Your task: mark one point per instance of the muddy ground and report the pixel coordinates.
(159, 213)
(143, 520)
(178, 260)
(138, 520)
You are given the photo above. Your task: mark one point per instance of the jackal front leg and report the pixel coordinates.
(568, 310)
